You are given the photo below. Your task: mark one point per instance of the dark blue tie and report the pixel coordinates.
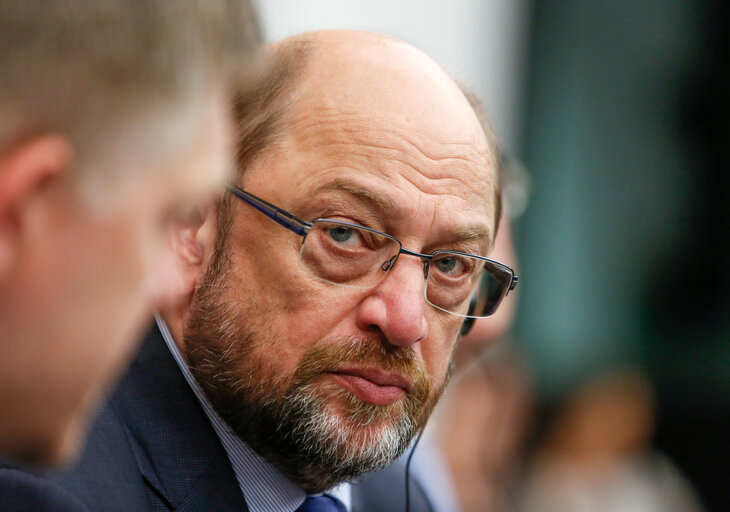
(321, 504)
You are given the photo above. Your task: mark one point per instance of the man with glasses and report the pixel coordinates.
(325, 293)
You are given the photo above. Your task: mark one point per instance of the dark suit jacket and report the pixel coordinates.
(153, 449)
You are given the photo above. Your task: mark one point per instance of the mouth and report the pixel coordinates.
(373, 385)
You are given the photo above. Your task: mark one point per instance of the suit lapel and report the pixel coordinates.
(177, 450)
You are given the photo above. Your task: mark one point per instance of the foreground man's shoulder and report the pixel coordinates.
(23, 491)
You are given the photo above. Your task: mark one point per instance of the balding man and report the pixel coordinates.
(325, 294)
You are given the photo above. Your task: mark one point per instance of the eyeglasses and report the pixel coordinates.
(355, 256)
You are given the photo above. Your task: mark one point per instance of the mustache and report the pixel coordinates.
(371, 352)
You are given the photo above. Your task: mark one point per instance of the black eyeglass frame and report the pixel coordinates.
(302, 228)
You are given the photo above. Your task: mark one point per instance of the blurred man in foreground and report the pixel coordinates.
(113, 122)
(312, 345)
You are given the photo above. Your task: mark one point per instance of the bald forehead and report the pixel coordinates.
(362, 74)
(381, 101)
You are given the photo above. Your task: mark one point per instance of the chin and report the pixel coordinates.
(59, 444)
(46, 450)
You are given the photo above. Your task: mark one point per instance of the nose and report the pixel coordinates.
(396, 307)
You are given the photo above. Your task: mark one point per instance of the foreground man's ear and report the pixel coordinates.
(25, 170)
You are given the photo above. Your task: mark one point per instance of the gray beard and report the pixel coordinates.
(317, 449)
(298, 431)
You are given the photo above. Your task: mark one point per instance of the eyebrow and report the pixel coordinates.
(474, 233)
(368, 196)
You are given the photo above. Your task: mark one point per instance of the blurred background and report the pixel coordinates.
(620, 113)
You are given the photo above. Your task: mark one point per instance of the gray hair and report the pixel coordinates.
(124, 80)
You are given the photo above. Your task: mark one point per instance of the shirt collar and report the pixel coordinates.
(264, 487)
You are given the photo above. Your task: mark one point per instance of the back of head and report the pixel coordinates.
(112, 75)
(113, 121)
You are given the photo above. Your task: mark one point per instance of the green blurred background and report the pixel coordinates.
(625, 247)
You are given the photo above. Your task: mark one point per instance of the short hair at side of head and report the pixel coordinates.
(260, 112)
(261, 115)
(119, 78)
(493, 145)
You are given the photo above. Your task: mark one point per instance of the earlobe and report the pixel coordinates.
(25, 169)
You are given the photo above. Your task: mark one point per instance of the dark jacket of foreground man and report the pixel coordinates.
(153, 449)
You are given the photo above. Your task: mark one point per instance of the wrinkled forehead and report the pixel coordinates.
(388, 171)
(418, 134)
(397, 150)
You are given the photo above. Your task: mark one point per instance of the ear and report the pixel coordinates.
(25, 170)
(193, 241)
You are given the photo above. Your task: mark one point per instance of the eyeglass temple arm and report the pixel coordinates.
(283, 217)
(513, 285)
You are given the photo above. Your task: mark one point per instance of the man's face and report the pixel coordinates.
(327, 381)
(87, 282)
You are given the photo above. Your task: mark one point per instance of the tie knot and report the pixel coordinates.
(321, 504)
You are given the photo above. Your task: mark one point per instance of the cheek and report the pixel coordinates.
(114, 268)
(298, 308)
(128, 255)
(107, 302)
(135, 255)
(307, 314)
(438, 349)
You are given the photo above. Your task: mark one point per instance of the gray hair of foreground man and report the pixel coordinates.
(112, 74)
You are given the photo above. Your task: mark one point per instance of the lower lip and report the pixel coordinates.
(367, 391)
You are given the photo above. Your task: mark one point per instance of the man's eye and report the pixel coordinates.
(345, 236)
(340, 233)
(450, 266)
